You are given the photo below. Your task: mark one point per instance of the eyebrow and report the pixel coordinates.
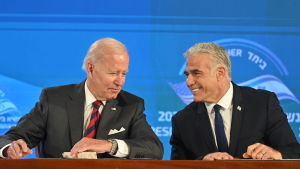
(119, 71)
(195, 70)
(192, 71)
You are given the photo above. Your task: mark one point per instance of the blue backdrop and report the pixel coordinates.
(43, 43)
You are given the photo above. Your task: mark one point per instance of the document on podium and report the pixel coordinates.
(83, 155)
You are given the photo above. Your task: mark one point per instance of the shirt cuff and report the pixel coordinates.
(1, 150)
(123, 149)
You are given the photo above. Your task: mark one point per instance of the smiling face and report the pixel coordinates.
(106, 79)
(203, 84)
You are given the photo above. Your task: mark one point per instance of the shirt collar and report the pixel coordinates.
(89, 97)
(224, 102)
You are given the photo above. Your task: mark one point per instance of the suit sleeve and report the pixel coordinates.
(143, 142)
(30, 127)
(279, 134)
(178, 151)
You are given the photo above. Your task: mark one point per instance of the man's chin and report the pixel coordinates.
(112, 97)
(196, 99)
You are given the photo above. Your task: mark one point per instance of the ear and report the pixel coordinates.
(221, 73)
(90, 69)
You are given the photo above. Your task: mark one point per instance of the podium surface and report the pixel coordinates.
(147, 164)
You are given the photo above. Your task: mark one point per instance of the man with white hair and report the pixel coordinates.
(95, 115)
(225, 120)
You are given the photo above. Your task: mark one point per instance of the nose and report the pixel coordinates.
(189, 81)
(120, 80)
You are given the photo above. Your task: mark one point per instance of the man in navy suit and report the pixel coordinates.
(226, 120)
(64, 118)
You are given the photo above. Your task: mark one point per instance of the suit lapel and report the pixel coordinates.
(205, 127)
(75, 110)
(108, 117)
(237, 116)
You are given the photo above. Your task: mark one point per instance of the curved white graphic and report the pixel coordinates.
(271, 83)
(183, 92)
(256, 47)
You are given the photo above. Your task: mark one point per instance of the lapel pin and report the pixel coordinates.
(113, 109)
(239, 108)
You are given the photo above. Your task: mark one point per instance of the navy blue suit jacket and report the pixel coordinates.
(261, 119)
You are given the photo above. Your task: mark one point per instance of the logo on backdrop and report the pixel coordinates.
(255, 66)
(9, 113)
(6, 105)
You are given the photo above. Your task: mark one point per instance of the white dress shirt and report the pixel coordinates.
(225, 111)
(123, 149)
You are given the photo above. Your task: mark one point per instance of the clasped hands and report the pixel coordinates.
(19, 148)
(255, 151)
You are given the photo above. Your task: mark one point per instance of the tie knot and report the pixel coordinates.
(217, 108)
(97, 104)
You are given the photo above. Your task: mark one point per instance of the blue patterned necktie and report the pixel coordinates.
(219, 129)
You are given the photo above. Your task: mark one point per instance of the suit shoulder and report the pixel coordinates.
(186, 112)
(63, 90)
(258, 93)
(61, 87)
(128, 98)
(68, 87)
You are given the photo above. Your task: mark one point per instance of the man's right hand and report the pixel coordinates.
(17, 149)
(217, 156)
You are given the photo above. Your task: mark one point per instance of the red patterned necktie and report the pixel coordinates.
(95, 118)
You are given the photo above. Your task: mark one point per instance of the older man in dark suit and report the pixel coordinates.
(225, 120)
(94, 116)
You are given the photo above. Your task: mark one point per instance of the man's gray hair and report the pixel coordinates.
(103, 47)
(218, 56)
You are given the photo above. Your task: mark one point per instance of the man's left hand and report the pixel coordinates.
(261, 151)
(91, 145)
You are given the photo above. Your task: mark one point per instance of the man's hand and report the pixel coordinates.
(261, 151)
(17, 150)
(91, 145)
(217, 156)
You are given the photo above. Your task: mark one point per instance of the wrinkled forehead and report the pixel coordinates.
(198, 61)
(116, 49)
(116, 57)
(115, 61)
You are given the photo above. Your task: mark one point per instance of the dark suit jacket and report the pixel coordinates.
(261, 119)
(57, 121)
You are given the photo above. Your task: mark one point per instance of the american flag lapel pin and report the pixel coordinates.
(113, 108)
(239, 108)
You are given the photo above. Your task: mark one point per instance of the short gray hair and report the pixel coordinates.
(103, 47)
(218, 56)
